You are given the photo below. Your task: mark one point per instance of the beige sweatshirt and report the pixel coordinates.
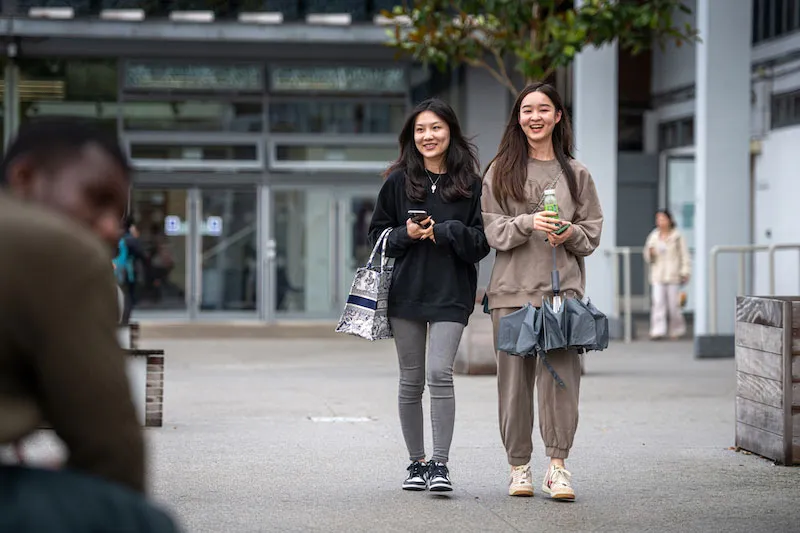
(521, 272)
(669, 259)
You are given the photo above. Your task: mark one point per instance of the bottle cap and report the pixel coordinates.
(549, 191)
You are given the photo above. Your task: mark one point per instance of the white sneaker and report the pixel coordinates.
(521, 483)
(558, 483)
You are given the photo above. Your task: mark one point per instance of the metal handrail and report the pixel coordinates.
(771, 262)
(625, 252)
(741, 250)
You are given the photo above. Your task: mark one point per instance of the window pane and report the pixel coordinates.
(153, 75)
(70, 88)
(194, 115)
(246, 152)
(687, 132)
(339, 79)
(330, 153)
(336, 117)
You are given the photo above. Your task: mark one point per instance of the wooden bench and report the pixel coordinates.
(767, 341)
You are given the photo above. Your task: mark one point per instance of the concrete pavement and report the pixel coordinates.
(241, 450)
(267, 435)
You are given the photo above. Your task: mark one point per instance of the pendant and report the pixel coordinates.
(433, 188)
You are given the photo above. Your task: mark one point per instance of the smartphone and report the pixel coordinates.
(417, 215)
(561, 228)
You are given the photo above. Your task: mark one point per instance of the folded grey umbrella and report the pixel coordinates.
(514, 336)
(530, 334)
(580, 325)
(601, 327)
(553, 335)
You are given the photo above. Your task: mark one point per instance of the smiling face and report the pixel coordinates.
(538, 117)
(431, 137)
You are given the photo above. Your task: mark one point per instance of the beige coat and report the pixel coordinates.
(524, 260)
(668, 258)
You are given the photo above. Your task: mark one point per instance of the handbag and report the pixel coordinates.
(365, 313)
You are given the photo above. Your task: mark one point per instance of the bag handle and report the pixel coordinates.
(385, 259)
(380, 243)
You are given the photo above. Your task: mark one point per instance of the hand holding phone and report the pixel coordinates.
(562, 227)
(417, 215)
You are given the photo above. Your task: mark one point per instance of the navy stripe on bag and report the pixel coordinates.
(360, 301)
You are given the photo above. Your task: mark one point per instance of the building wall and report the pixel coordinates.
(776, 180)
(674, 67)
(777, 190)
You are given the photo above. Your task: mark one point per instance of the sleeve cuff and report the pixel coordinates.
(575, 235)
(527, 224)
(440, 233)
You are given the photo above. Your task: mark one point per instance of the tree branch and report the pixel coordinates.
(505, 81)
(546, 72)
(501, 64)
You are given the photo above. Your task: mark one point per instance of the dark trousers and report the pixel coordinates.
(129, 290)
(64, 501)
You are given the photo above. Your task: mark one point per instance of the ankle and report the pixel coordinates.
(555, 461)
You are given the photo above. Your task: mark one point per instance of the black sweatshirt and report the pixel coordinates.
(434, 282)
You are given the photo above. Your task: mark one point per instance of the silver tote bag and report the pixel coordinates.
(364, 313)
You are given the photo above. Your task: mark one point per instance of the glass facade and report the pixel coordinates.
(254, 182)
(291, 10)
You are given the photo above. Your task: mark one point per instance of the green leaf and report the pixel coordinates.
(506, 28)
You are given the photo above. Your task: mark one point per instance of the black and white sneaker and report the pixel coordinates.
(439, 477)
(417, 477)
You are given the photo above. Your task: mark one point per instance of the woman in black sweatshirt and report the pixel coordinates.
(435, 273)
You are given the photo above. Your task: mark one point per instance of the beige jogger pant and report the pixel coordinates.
(558, 408)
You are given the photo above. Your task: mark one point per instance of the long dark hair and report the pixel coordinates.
(461, 159)
(511, 161)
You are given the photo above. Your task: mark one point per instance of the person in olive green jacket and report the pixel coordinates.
(65, 189)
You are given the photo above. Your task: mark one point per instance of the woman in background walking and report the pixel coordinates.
(434, 277)
(670, 267)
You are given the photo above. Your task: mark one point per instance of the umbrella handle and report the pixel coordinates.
(554, 277)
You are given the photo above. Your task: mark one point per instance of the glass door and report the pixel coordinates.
(320, 237)
(162, 220)
(228, 250)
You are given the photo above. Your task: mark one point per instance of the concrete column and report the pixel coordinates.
(485, 105)
(722, 171)
(595, 103)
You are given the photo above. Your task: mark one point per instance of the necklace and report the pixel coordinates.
(433, 183)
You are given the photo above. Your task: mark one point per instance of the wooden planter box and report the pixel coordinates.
(768, 377)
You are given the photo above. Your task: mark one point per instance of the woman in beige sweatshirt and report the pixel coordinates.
(535, 155)
(670, 267)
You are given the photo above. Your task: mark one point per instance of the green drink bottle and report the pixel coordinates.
(550, 202)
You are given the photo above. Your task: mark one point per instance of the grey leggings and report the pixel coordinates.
(409, 339)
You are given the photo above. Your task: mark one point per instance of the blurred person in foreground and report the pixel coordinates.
(64, 193)
(670, 268)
